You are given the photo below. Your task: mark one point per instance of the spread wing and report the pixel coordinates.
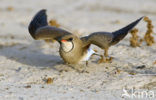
(39, 28)
(106, 39)
(101, 39)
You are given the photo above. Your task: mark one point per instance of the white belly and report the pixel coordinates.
(87, 56)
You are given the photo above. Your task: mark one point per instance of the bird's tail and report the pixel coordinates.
(39, 20)
(121, 33)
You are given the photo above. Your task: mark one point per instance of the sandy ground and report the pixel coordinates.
(25, 64)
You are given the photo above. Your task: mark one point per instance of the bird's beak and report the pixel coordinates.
(63, 40)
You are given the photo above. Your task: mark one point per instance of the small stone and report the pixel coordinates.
(132, 73)
(154, 62)
(50, 80)
(10, 8)
(140, 67)
(28, 86)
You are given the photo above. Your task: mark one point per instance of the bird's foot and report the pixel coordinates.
(84, 70)
(101, 60)
(105, 60)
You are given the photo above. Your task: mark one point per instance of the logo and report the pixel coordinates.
(137, 94)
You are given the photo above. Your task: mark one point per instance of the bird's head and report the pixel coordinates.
(68, 42)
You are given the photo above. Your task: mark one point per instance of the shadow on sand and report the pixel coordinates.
(30, 55)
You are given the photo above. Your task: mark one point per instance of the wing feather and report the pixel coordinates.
(100, 39)
(39, 28)
(49, 32)
(106, 39)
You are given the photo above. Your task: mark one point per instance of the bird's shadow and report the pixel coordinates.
(29, 55)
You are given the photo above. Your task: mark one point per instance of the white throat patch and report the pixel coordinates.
(67, 46)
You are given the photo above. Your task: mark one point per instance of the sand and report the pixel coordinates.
(26, 64)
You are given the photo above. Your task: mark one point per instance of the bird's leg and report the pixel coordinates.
(101, 59)
(85, 70)
(106, 52)
(106, 59)
(86, 63)
(94, 55)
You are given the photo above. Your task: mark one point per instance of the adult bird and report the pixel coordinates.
(72, 48)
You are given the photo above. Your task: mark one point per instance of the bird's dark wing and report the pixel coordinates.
(121, 33)
(106, 39)
(101, 39)
(39, 28)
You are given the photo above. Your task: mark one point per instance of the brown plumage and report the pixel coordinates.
(72, 48)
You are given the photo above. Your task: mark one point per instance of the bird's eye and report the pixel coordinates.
(70, 39)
